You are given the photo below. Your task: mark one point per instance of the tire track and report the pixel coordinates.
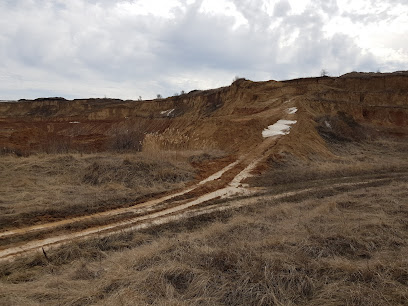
(171, 214)
(148, 211)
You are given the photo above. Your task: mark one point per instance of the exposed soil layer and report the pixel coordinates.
(229, 118)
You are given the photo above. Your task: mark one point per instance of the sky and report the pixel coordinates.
(140, 48)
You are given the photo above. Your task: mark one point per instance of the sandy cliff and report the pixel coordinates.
(353, 106)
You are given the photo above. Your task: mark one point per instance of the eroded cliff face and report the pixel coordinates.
(230, 118)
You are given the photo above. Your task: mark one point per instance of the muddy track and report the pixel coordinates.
(224, 183)
(202, 204)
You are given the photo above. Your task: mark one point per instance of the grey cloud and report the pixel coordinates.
(210, 41)
(377, 11)
(84, 42)
(389, 2)
(366, 18)
(328, 6)
(253, 12)
(281, 8)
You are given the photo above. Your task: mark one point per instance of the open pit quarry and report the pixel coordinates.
(252, 122)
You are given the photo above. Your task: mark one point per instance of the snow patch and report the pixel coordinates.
(282, 127)
(74, 122)
(167, 112)
(292, 110)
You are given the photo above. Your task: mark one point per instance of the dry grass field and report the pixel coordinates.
(41, 188)
(329, 246)
(353, 159)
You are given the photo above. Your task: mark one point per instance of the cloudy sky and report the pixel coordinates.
(131, 48)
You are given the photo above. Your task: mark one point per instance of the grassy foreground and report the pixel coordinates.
(343, 247)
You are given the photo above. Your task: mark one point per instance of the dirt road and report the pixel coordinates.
(186, 209)
(226, 182)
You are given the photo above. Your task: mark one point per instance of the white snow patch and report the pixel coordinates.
(74, 122)
(167, 112)
(281, 127)
(328, 125)
(292, 110)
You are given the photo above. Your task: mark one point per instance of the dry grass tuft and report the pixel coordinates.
(41, 188)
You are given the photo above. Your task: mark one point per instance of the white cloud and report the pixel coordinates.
(163, 9)
(84, 48)
(298, 6)
(224, 8)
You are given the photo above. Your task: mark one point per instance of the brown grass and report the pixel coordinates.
(346, 249)
(353, 159)
(334, 246)
(43, 187)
